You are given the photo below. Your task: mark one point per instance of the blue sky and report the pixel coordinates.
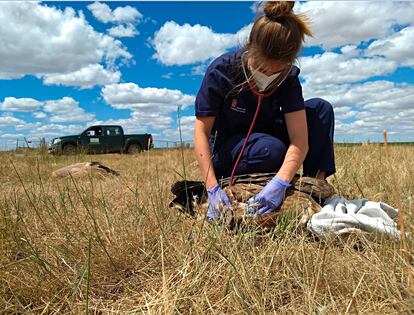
(71, 64)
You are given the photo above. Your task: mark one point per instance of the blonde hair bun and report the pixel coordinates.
(278, 9)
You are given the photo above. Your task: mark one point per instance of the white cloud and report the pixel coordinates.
(387, 95)
(9, 120)
(345, 112)
(186, 127)
(339, 23)
(61, 110)
(155, 100)
(20, 104)
(350, 51)
(189, 44)
(371, 106)
(371, 125)
(242, 35)
(152, 120)
(140, 122)
(46, 41)
(398, 47)
(103, 13)
(257, 7)
(33, 130)
(168, 75)
(24, 125)
(85, 78)
(127, 30)
(11, 135)
(199, 69)
(185, 120)
(332, 68)
(39, 115)
(53, 130)
(152, 108)
(66, 110)
(125, 17)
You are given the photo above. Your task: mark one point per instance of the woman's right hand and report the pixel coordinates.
(217, 199)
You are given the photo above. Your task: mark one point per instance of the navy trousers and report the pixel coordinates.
(265, 153)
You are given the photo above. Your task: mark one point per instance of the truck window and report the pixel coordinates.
(94, 131)
(113, 131)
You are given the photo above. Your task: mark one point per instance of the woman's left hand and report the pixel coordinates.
(269, 198)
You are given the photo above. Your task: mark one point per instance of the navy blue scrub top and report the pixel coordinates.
(234, 111)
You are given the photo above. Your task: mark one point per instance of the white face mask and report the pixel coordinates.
(262, 80)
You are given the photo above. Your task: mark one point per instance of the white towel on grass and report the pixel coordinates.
(340, 216)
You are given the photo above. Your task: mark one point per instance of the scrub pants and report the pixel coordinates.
(265, 153)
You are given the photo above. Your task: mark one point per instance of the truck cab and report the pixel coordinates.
(97, 139)
(102, 139)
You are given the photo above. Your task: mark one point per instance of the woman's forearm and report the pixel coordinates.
(203, 155)
(294, 158)
(298, 149)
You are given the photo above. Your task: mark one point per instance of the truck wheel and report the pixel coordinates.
(69, 149)
(134, 148)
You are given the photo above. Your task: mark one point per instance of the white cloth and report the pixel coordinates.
(340, 216)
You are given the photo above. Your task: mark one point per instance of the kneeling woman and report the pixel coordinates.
(250, 114)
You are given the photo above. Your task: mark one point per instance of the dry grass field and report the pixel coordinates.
(112, 245)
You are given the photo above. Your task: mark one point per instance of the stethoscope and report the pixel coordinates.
(260, 96)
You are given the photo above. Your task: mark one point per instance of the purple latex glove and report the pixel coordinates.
(269, 198)
(216, 198)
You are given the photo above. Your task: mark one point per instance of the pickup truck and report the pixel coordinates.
(102, 139)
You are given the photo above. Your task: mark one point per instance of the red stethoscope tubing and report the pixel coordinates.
(259, 103)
